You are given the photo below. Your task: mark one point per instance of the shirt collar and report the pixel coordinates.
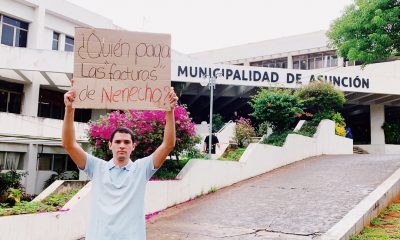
(127, 167)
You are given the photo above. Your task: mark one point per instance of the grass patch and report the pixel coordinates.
(52, 203)
(385, 226)
(233, 154)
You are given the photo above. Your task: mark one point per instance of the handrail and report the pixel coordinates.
(225, 125)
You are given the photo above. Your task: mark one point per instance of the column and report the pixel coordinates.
(246, 62)
(29, 106)
(36, 29)
(30, 162)
(340, 61)
(377, 113)
(61, 43)
(289, 61)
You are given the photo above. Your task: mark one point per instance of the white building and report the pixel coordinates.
(36, 66)
(367, 107)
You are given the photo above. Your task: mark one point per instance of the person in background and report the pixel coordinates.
(214, 143)
(235, 116)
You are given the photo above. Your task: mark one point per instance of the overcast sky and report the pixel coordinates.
(200, 25)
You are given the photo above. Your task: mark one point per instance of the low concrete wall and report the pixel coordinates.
(381, 148)
(196, 178)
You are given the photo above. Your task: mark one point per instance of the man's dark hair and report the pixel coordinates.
(122, 130)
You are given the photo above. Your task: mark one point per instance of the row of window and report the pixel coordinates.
(315, 60)
(69, 42)
(51, 103)
(308, 61)
(271, 63)
(56, 162)
(11, 161)
(14, 33)
(46, 162)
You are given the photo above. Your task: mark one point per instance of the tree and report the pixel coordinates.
(277, 107)
(322, 100)
(319, 97)
(368, 31)
(148, 128)
(218, 122)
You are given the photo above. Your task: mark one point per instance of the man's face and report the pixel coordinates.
(121, 146)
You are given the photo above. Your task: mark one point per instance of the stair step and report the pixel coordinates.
(358, 150)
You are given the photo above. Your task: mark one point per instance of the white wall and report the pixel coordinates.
(377, 116)
(17, 9)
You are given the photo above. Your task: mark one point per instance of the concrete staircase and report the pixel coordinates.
(358, 150)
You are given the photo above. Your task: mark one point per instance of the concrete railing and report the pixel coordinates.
(36, 127)
(257, 159)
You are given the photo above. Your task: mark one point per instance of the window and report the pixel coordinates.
(13, 32)
(56, 162)
(315, 60)
(10, 97)
(69, 44)
(51, 105)
(331, 61)
(271, 63)
(11, 161)
(56, 39)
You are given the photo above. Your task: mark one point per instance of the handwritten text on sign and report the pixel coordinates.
(121, 70)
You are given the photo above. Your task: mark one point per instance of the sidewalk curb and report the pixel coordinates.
(361, 215)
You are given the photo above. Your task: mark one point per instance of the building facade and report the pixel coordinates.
(37, 42)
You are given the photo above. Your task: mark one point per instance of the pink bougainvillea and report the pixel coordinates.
(148, 127)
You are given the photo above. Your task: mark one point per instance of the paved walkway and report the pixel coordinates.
(298, 201)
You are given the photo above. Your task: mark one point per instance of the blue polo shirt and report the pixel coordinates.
(117, 205)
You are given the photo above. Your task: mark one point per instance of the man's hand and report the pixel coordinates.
(173, 99)
(69, 98)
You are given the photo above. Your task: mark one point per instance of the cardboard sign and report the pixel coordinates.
(116, 69)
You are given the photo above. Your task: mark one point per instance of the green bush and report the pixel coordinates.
(262, 129)
(392, 132)
(61, 175)
(52, 203)
(277, 107)
(329, 114)
(308, 129)
(322, 100)
(218, 122)
(277, 138)
(193, 153)
(60, 199)
(243, 132)
(10, 179)
(169, 170)
(320, 97)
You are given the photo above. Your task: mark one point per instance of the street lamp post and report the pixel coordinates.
(211, 85)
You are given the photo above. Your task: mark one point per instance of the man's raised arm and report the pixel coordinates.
(69, 143)
(169, 139)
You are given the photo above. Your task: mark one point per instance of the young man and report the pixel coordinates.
(118, 186)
